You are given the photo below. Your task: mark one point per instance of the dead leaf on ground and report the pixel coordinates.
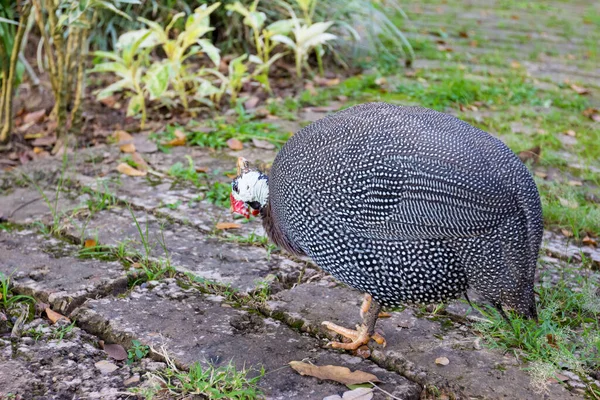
(463, 34)
(34, 117)
(575, 183)
(567, 233)
(125, 141)
(227, 225)
(592, 113)
(179, 140)
(88, 243)
(515, 65)
(579, 89)
(326, 82)
(141, 163)
(202, 170)
(571, 133)
(44, 141)
(115, 351)
(53, 316)
(588, 241)
(129, 170)
(235, 144)
(532, 154)
(442, 361)
(541, 174)
(333, 373)
(251, 103)
(551, 339)
(109, 101)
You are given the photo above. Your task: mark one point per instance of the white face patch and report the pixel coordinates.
(251, 186)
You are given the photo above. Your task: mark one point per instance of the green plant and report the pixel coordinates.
(169, 78)
(7, 298)
(219, 194)
(64, 26)
(137, 351)
(60, 332)
(10, 47)
(189, 173)
(307, 37)
(566, 335)
(210, 382)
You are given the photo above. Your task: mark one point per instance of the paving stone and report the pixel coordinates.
(27, 205)
(196, 328)
(45, 268)
(413, 344)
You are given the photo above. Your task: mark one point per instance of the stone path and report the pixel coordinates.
(204, 322)
(228, 301)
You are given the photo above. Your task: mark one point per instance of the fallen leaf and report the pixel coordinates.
(551, 340)
(442, 361)
(361, 393)
(568, 203)
(141, 163)
(592, 113)
(179, 140)
(115, 351)
(515, 65)
(262, 144)
(541, 174)
(514, 16)
(129, 170)
(575, 183)
(235, 144)
(44, 141)
(251, 103)
(35, 117)
(109, 101)
(333, 373)
(227, 225)
(579, 89)
(125, 141)
(588, 241)
(136, 265)
(363, 351)
(570, 132)
(532, 154)
(561, 377)
(202, 170)
(463, 34)
(327, 82)
(89, 243)
(567, 233)
(53, 316)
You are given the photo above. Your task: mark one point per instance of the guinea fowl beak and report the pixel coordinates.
(239, 207)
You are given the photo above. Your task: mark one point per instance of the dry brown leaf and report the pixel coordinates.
(34, 117)
(251, 103)
(125, 141)
(179, 140)
(541, 174)
(89, 243)
(588, 241)
(333, 373)
(463, 34)
(575, 183)
(227, 225)
(592, 113)
(136, 265)
(571, 133)
(115, 351)
(202, 170)
(579, 89)
(129, 170)
(235, 144)
(262, 144)
(567, 233)
(141, 163)
(515, 65)
(442, 361)
(53, 316)
(532, 154)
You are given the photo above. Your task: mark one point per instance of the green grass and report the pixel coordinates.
(252, 240)
(187, 172)
(566, 335)
(8, 300)
(206, 382)
(137, 351)
(218, 194)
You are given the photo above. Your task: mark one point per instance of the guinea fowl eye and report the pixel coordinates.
(235, 188)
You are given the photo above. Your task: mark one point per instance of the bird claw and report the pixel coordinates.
(358, 337)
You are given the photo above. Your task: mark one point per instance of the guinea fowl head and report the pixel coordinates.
(249, 190)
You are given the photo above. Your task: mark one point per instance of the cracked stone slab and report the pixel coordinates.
(44, 267)
(193, 327)
(27, 205)
(413, 344)
(211, 258)
(557, 246)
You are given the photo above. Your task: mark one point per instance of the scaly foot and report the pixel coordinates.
(358, 337)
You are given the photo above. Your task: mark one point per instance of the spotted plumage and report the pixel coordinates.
(409, 205)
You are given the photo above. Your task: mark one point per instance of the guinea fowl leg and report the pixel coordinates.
(364, 332)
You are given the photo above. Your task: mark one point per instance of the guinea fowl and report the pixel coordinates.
(405, 204)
